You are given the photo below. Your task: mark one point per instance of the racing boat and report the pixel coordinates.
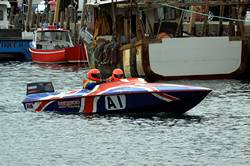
(132, 95)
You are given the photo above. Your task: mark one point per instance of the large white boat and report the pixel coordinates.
(170, 40)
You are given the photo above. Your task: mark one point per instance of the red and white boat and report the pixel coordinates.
(54, 45)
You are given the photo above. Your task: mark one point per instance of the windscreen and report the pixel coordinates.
(39, 87)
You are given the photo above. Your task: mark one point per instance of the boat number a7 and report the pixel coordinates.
(115, 102)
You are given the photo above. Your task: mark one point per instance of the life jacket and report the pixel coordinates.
(89, 84)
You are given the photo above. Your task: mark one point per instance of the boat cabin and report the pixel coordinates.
(51, 39)
(4, 5)
(103, 26)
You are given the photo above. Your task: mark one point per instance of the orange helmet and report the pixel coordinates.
(117, 74)
(94, 75)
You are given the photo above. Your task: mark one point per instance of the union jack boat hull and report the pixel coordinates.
(132, 95)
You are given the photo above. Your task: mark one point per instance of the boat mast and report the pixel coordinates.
(114, 21)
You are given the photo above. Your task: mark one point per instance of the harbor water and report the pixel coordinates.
(216, 132)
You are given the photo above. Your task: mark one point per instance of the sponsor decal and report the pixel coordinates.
(69, 104)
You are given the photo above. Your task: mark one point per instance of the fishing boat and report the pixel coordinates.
(132, 95)
(54, 45)
(169, 40)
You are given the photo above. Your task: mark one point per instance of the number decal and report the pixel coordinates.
(115, 102)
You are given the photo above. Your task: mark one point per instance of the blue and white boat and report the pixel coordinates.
(132, 95)
(14, 44)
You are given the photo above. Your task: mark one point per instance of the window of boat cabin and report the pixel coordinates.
(165, 21)
(103, 22)
(48, 36)
(125, 24)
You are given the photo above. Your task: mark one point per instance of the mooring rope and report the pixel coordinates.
(210, 15)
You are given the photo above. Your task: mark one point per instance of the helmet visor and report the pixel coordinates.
(96, 75)
(118, 75)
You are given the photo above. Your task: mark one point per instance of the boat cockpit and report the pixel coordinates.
(50, 40)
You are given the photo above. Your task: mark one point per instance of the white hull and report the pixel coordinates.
(195, 56)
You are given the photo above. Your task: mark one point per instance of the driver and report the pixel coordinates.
(93, 78)
(117, 74)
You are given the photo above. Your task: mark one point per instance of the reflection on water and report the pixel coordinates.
(216, 132)
(64, 67)
(150, 116)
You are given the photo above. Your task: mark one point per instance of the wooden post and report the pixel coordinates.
(130, 21)
(241, 17)
(43, 18)
(16, 21)
(11, 14)
(139, 28)
(83, 15)
(150, 26)
(73, 15)
(33, 20)
(28, 15)
(22, 21)
(56, 16)
(114, 20)
(231, 24)
(62, 18)
(67, 19)
(46, 15)
(192, 21)
(51, 17)
(220, 27)
(205, 21)
(125, 25)
(235, 27)
(38, 19)
(180, 24)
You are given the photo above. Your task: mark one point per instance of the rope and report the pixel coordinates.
(102, 53)
(210, 15)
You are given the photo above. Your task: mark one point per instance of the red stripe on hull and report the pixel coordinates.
(41, 106)
(48, 56)
(88, 106)
(69, 54)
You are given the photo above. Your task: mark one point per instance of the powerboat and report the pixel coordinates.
(131, 95)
